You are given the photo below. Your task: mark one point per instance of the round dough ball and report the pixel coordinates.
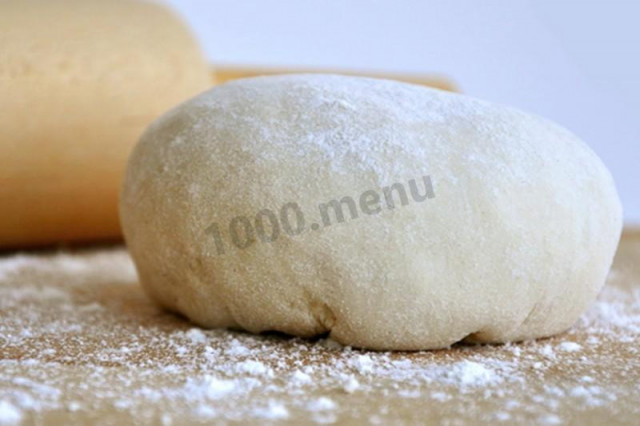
(388, 215)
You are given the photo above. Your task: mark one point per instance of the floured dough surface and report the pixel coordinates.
(513, 242)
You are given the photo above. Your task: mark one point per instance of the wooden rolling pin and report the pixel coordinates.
(221, 74)
(79, 82)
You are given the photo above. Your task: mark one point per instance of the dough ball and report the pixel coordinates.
(388, 215)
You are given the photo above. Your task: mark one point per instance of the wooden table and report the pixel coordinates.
(80, 343)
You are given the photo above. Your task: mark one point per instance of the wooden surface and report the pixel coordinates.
(222, 74)
(80, 343)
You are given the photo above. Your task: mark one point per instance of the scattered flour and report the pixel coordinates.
(273, 411)
(468, 373)
(92, 337)
(351, 385)
(569, 346)
(255, 368)
(321, 404)
(9, 414)
(196, 335)
(300, 379)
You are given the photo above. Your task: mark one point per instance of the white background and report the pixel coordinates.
(575, 62)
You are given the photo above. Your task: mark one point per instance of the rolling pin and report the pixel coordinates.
(221, 74)
(79, 82)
